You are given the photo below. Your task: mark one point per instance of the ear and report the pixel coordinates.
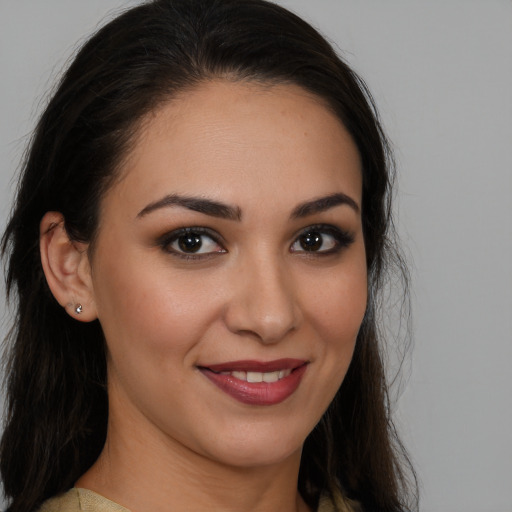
(67, 268)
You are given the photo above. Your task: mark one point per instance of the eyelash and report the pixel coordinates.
(341, 239)
(168, 239)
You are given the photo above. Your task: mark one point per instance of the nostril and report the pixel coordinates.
(249, 320)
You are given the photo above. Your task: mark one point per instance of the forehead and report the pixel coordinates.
(228, 140)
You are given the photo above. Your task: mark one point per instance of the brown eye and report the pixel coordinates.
(321, 240)
(195, 242)
(311, 241)
(191, 242)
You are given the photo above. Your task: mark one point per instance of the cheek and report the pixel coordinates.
(336, 312)
(337, 306)
(145, 309)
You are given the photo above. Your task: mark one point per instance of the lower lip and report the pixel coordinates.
(257, 393)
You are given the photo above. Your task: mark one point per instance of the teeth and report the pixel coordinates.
(259, 376)
(270, 377)
(254, 377)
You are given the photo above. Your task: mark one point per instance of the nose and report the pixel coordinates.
(264, 303)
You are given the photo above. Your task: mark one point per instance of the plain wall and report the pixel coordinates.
(441, 73)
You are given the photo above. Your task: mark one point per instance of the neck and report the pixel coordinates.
(155, 472)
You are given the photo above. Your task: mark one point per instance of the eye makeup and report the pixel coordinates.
(199, 243)
(321, 240)
(192, 243)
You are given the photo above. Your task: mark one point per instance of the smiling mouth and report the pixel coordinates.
(259, 376)
(255, 382)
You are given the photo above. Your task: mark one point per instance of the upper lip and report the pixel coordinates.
(256, 366)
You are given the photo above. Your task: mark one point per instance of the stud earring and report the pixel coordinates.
(78, 309)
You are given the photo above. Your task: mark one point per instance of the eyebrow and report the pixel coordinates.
(322, 204)
(225, 211)
(197, 204)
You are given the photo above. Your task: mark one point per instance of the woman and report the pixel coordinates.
(200, 234)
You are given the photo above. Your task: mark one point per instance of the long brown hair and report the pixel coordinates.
(56, 371)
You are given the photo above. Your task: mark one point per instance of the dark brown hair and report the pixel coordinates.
(56, 371)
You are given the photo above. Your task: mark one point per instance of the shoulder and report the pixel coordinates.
(80, 500)
(67, 502)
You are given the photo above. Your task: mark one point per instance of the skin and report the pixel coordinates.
(176, 441)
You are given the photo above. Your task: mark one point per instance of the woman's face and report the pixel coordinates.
(229, 272)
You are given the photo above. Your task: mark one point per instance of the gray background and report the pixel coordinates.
(441, 72)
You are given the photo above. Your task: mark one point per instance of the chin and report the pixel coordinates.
(259, 451)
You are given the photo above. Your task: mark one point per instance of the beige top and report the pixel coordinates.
(80, 500)
(83, 500)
